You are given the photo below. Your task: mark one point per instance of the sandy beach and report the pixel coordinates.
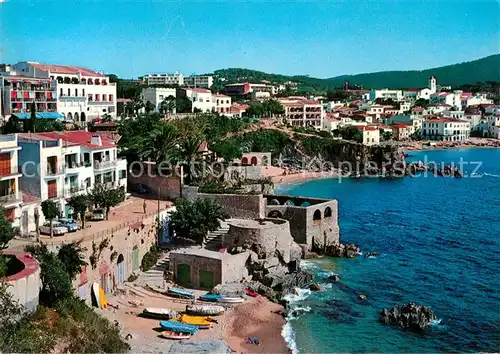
(253, 318)
(285, 176)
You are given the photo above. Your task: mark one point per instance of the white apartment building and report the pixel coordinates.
(221, 103)
(446, 129)
(453, 99)
(59, 165)
(303, 113)
(199, 81)
(396, 95)
(200, 98)
(156, 95)
(163, 79)
(454, 114)
(437, 108)
(82, 95)
(474, 117)
(371, 134)
(10, 197)
(492, 123)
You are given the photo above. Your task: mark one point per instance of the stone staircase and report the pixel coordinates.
(154, 276)
(214, 239)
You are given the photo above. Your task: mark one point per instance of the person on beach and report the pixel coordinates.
(144, 206)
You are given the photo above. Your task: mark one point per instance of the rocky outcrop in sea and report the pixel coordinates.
(341, 250)
(441, 170)
(410, 316)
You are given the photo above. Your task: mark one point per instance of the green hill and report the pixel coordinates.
(481, 70)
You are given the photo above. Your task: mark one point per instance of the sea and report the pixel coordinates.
(438, 240)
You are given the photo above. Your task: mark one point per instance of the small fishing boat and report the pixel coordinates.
(203, 322)
(231, 300)
(251, 293)
(210, 297)
(160, 313)
(205, 310)
(179, 327)
(175, 335)
(181, 293)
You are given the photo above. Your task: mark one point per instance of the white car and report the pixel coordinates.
(98, 214)
(57, 229)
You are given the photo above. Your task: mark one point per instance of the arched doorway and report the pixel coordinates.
(317, 215)
(135, 258)
(275, 214)
(120, 269)
(76, 116)
(265, 160)
(82, 117)
(69, 116)
(244, 161)
(253, 161)
(328, 212)
(183, 274)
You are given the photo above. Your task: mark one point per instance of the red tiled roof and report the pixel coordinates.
(418, 109)
(29, 198)
(106, 124)
(401, 125)
(219, 95)
(64, 69)
(199, 90)
(445, 120)
(310, 102)
(366, 128)
(80, 137)
(439, 105)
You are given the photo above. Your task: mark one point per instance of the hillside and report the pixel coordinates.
(484, 69)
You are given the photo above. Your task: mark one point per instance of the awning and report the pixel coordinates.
(41, 115)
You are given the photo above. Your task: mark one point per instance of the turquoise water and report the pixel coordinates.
(438, 240)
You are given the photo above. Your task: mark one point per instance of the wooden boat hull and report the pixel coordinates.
(175, 335)
(231, 300)
(205, 310)
(160, 313)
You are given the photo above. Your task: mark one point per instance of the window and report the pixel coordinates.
(90, 97)
(69, 92)
(111, 98)
(104, 97)
(76, 92)
(83, 92)
(161, 97)
(123, 174)
(61, 92)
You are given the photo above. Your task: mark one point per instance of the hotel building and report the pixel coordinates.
(10, 197)
(303, 112)
(446, 129)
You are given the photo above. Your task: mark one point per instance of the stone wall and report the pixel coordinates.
(170, 187)
(205, 260)
(25, 284)
(234, 269)
(239, 206)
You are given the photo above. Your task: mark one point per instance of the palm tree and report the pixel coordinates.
(129, 108)
(168, 104)
(138, 105)
(188, 153)
(159, 144)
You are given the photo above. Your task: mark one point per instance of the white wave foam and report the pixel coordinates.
(326, 274)
(308, 265)
(490, 174)
(437, 323)
(288, 335)
(299, 295)
(370, 257)
(305, 309)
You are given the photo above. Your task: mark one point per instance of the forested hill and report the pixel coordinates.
(481, 70)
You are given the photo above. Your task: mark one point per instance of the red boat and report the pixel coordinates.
(251, 293)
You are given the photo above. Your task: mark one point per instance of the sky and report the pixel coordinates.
(317, 38)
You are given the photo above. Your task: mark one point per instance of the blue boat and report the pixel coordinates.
(210, 297)
(176, 292)
(179, 327)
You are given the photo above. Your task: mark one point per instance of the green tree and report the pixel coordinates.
(421, 102)
(351, 133)
(50, 211)
(149, 107)
(167, 105)
(6, 230)
(80, 203)
(272, 107)
(33, 117)
(183, 105)
(255, 109)
(158, 144)
(12, 126)
(56, 282)
(106, 197)
(385, 135)
(336, 95)
(138, 105)
(72, 257)
(227, 149)
(194, 219)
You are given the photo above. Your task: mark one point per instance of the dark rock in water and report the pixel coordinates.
(442, 170)
(333, 279)
(362, 297)
(341, 250)
(310, 255)
(372, 254)
(411, 316)
(315, 287)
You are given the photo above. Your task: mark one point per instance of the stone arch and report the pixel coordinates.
(275, 214)
(244, 161)
(253, 161)
(70, 116)
(317, 215)
(76, 116)
(120, 259)
(328, 212)
(265, 160)
(274, 201)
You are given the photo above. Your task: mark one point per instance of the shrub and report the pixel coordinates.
(56, 283)
(150, 258)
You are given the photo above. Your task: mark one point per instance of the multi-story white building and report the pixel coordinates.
(396, 95)
(201, 99)
(19, 92)
(156, 95)
(303, 113)
(371, 134)
(199, 81)
(221, 103)
(474, 117)
(446, 129)
(10, 197)
(176, 79)
(453, 99)
(81, 94)
(59, 165)
(492, 126)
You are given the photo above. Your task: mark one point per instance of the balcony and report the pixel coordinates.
(71, 98)
(104, 165)
(74, 190)
(73, 167)
(95, 103)
(52, 171)
(7, 173)
(11, 198)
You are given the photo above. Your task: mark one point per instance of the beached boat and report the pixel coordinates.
(205, 310)
(175, 335)
(231, 300)
(179, 327)
(210, 297)
(251, 293)
(203, 322)
(160, 313)
(176, 292)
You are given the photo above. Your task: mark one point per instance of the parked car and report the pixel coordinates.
(139, 188)
(98, 214)
(69, 223)
(57, 229)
